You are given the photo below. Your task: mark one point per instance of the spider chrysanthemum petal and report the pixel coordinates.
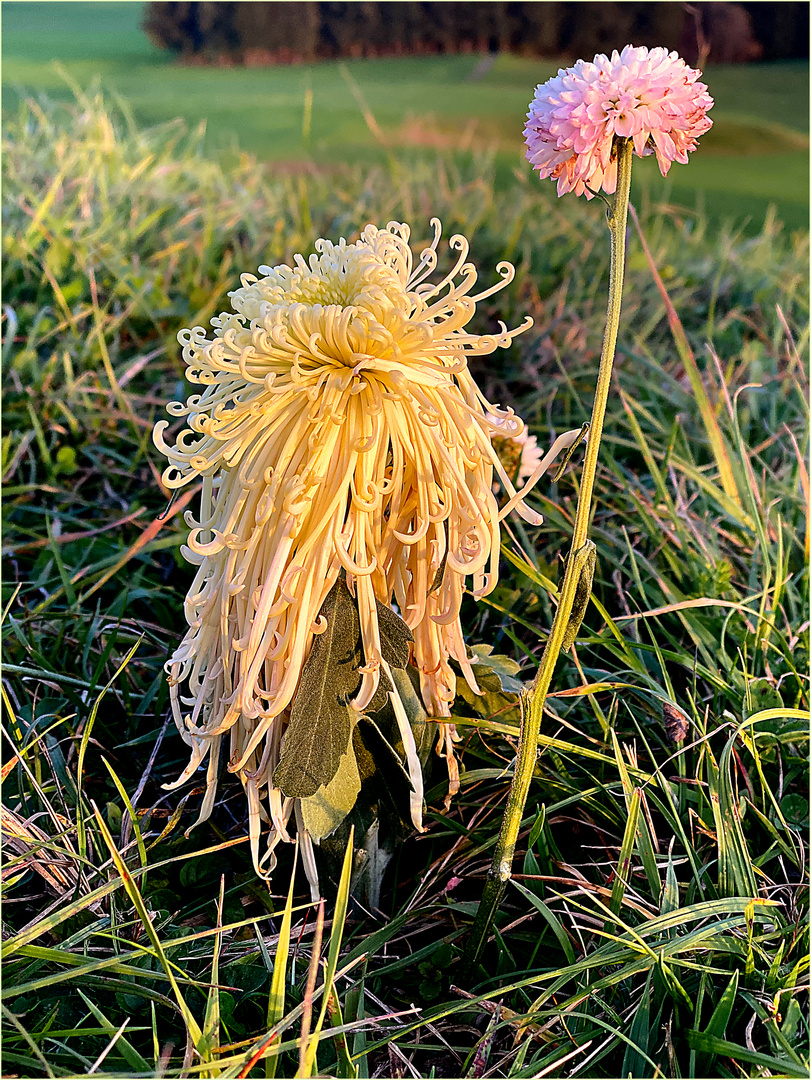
(337, 431)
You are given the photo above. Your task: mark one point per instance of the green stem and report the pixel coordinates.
(564, 623)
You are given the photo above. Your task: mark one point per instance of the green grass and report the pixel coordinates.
(760, 116)
(657, 924)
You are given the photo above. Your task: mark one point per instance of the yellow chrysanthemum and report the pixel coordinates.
(338, 429)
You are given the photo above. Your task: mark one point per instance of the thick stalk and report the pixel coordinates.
(576, 564)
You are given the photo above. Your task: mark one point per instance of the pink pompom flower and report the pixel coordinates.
(650, 96)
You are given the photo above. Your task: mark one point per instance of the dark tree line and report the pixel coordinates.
(263, 33)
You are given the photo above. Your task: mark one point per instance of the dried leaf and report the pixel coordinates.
(581, 597)
(676, 723)
(439, 576)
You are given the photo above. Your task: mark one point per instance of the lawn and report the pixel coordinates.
(657, 921)
(417, 105)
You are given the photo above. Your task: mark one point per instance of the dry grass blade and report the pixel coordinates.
(58, 864)
(108, 1048)
(210, 1038)
(720, 451)
(194, 1033)
(276, 997)
(305, 1053)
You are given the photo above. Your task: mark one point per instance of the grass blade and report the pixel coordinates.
(622, 875)
(634, 1063)
(81, 828)
(127, 1050)
(277, 983)
(719, 448)
(210, 1037)
(192, 1027)
(710, 1044)
(717, 1026)
(336, 935)
(553, 921)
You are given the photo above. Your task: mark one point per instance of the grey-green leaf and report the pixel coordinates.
(320, 725)
(504, 668)
(324, 811)
(395, 637)
(395, 647)
(312, 749)
(318, 734)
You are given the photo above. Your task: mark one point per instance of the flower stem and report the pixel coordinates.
(574, 590)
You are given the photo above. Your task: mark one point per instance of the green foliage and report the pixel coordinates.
(659, 921)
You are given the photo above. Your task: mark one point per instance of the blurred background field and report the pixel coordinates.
(658, 920)
(312, 115)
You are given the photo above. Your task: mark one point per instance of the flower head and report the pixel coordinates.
(338, 432)
(519, 454)
(650, 96)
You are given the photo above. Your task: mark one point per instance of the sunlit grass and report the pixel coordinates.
(657, 924)
(304, 114)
